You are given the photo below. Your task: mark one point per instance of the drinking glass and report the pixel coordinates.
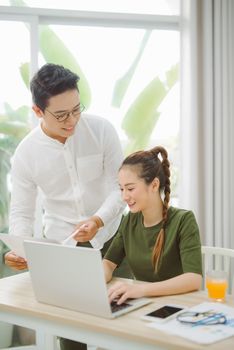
(217, 283)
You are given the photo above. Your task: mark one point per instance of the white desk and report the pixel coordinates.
(128, 332)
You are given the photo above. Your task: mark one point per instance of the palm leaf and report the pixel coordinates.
(54, 51)
(25, 73)
(122, 83)
(14, 128)
(20, 114)
(142, 116)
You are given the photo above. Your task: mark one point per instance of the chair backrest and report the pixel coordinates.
(217, 258)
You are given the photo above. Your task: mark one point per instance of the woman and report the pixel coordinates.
(161, 243)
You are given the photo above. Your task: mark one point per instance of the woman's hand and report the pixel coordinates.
(122, 291)
(15, 262)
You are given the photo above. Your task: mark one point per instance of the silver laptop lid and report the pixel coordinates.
(69, 277)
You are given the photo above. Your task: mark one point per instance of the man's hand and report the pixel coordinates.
(15, 262)
(87, 229)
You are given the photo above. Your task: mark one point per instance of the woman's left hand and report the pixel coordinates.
(122, 291)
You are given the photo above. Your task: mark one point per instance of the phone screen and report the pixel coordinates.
(164, 311)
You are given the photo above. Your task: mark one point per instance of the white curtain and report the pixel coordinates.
(207, 117)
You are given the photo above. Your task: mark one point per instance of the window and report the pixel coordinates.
(128, 66)
(14, 102)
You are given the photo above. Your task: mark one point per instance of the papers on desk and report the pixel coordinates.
(16, 243)
(202, 334)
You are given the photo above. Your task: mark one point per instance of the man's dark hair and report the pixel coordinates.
(51, 80)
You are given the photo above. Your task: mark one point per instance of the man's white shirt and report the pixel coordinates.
(77, 180)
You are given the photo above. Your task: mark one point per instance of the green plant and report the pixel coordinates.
(13, 127)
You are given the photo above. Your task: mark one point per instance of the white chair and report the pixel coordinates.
(217, 258)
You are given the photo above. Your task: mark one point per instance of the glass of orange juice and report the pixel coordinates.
(217, 283)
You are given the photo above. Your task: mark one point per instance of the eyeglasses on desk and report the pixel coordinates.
(201, 318)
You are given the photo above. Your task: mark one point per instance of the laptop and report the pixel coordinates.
(73, 278)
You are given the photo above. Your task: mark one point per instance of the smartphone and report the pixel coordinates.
(163, 314)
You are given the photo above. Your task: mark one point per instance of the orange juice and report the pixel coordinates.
(216, 289)
(216, 283)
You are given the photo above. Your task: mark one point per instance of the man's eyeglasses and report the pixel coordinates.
(75, 112)
(201, 318)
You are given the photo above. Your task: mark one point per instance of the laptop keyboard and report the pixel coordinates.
(115, 307)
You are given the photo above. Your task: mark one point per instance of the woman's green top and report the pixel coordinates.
(181, 252)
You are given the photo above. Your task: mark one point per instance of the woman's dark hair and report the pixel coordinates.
(149, 166)
(49, 81)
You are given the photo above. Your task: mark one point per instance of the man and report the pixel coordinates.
(72, 160)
